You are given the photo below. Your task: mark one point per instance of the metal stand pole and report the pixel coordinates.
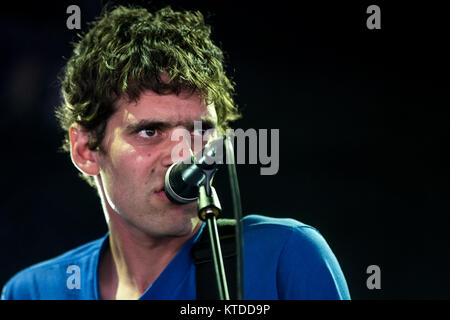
(209, 208)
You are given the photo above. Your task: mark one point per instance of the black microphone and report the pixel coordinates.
(182, 180)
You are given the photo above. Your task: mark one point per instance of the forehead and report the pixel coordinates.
(171, 108)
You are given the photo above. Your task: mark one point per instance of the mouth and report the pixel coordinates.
(161, 193)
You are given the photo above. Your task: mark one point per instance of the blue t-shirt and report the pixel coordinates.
(283, 259)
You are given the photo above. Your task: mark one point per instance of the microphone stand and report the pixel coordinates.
(208, 210)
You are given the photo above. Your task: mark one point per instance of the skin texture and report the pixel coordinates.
(146, 229)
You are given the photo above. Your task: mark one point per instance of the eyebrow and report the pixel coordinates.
(159, 124)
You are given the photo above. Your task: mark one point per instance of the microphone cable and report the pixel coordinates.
(237, 210)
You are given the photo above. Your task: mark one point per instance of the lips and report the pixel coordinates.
(161, 193)
(159, 188)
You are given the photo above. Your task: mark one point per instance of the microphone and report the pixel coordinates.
(182, 180)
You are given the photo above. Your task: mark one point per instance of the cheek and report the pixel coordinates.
(130, 165)
(118, 168)
(125, 177)
(120, 153)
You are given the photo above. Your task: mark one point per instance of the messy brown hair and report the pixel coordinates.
(125, 52)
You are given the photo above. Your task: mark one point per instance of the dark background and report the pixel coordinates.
(363, 119)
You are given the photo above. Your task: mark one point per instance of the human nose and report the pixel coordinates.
(177, 147)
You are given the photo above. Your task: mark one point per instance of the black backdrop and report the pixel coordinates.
(362, 114)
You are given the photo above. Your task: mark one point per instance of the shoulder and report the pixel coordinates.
(304, 264)
(295, 238)
(47, 279)
(278, 227)
(283, 238)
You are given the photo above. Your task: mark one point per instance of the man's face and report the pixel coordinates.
(138, 149)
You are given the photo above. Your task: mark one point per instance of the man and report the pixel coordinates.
(132, 80)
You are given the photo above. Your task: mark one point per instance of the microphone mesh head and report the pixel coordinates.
(177, 189)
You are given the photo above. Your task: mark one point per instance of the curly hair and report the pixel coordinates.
(125, 52)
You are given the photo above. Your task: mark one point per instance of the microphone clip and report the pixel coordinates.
(208, 204)
(208, 210)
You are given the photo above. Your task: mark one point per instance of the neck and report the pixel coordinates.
(134, 260)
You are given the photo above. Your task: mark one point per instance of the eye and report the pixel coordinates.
(148, 133)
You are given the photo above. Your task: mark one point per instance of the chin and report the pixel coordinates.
(175, 223)
(189, 210)
(186, 223)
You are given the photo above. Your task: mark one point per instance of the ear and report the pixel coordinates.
(82, 157)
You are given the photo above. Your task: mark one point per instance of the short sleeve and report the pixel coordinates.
(5, 293)
(15, 289)
(308, 269)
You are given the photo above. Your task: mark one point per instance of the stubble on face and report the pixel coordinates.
(133, 168)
